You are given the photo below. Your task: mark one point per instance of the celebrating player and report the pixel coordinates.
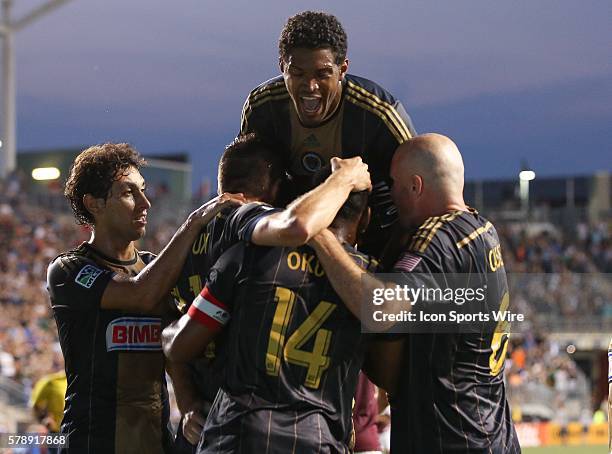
(107, 299)
(293, 350)
(449, 394)
(316, 110)
(254, 168)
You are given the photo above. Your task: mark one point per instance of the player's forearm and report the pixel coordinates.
(306, 216)
(144, 291)
(348, 280)
(152, 284)
(186, 396)
(316, 209)
(355, 287)
(185, 340)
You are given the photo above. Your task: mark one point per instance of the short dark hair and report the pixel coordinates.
(246, 163)
(313, 30)
(355, 204)
(93, 172)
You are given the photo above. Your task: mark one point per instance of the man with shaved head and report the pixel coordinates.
(445, 383)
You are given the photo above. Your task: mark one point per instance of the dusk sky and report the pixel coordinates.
(513, 80)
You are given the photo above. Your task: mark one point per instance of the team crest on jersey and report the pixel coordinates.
(134, 333)
(87, 276)
(312, 161)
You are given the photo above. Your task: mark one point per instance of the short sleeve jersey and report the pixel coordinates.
(227, 228)
(116, 400)
(369, 122)
(451, 396)
(293, 353)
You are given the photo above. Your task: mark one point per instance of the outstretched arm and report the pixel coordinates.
(355, 286)
(144, 291)
(310, 213)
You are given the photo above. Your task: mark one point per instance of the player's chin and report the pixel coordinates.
(138, 232)
(312, 118)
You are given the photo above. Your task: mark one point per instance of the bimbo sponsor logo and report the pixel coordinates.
(134, 333)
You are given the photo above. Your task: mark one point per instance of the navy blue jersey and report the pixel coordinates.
(369, 122)
(450, 395)
(116, 401)
(227, 228)
(292, 357)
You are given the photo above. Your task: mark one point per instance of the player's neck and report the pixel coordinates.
(115, 248)
(440, 207)
(344, 234)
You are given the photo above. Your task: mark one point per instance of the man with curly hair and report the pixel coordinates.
(108, 302)
(316, 110)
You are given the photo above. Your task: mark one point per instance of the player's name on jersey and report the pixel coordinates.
(305, 262)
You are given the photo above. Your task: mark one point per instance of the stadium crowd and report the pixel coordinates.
(32, 234)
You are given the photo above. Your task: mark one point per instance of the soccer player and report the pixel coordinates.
(293, 350)
(108, 301)
(316, 110)
(254, 168)
(449, 394)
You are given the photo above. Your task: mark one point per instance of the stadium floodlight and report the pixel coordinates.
(45, 173)
(8, 27)
(527, 175)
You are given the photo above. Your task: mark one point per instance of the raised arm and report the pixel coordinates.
(144, 291)
(309, 214)
(355, 286)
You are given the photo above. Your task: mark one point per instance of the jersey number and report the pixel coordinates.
(316, 360)
(499, 343)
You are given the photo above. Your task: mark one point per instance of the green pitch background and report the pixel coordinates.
(603, 449)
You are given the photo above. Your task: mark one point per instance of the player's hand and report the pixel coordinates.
(210, 209)
(354, 169)
(193, 424)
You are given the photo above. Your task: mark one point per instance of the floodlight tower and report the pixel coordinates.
(8, 26)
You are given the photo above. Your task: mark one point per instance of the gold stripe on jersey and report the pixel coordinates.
(379, 114)
(475, 234)
(395, 116)
(366, 262)
(247, 108)
(383, 108)
(428, 231)
(267, 90)
(262, 94)
(422, 232)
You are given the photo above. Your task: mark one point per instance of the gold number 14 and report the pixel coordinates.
(316, 360)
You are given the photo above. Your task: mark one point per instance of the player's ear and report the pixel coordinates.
(281, 64)
(416, 185)
(93, 204)
(344, 68)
